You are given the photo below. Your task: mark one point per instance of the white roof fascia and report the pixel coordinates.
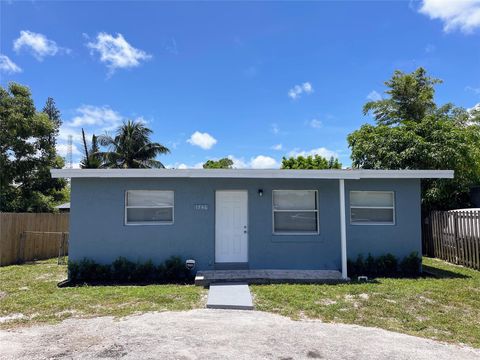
(251, 173)
(406, 174)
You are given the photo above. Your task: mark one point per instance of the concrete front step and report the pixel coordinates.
(207, 277)
(229, 296)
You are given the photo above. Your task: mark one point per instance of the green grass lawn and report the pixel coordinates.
(445, 307)
(29, 294)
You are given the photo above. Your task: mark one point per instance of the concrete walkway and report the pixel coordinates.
(207, 277)
(229, 296)
(217, 334)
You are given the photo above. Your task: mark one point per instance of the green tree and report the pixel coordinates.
(55, 116)
(224, 163)
(412, 132)
(131, 147)
(27, 153)
(91, 159)
(316, 162)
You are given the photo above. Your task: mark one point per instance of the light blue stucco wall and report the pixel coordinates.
(400, 239)
(97, 229)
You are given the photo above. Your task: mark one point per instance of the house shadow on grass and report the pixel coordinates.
(436, 273)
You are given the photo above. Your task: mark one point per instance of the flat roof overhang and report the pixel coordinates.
(252, 173)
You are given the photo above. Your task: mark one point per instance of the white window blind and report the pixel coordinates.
(372, 207)
(149, 207)
(295, 212)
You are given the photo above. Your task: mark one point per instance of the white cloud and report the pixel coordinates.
(116, 52)
(295, 92)
(255, 162)
(374, 96)
(8, 66)
(37, 44)
(263, 162)
(473, 112)
(315, 123)
(476, 91)
(474, 108)
(326, 153)
(277, 147)
(202, 140)
(103, 117)
(307, 88)
(178, 165)
(238, 163)
(62, 149)
(94, 120)
(181, 166)
(459, 14)
(66, 131)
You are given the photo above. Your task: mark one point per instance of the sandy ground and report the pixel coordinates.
(216, 334)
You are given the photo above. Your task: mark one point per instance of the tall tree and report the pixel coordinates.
(412, 132)
(131, 147)
(224, 163)
(91, 159)
(55, 117)
(27, 154)
(316, 162)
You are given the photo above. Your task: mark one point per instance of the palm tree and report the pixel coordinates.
(91, 160)
(131, 147)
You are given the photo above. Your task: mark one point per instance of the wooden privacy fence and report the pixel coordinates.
(453, 236)
(32, 236)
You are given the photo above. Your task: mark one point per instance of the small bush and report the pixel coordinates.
(371, 266)
(174, 270)
(410, 266)
(73, 270)
(387, 265)
(384, 265)
(88, 269)
(145, 272)
(122, 270)
(356, 267)
(103, 273)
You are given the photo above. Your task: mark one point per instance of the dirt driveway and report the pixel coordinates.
(216, 334)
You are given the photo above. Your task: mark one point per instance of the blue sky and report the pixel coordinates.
(253, 81)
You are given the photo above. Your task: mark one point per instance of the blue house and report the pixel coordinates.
(244, 218)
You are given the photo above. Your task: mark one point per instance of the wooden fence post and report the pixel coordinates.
(21, 248)
(455, 234)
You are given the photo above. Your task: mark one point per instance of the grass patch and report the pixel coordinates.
(29, 294)
(443, 306)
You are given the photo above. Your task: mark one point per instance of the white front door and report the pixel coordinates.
(231, 227)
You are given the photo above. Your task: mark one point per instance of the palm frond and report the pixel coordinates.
(131, 147)
(105, 140)
(149, 164)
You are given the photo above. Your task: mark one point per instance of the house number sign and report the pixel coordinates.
(201, 207)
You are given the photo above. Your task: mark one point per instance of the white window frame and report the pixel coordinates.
(148, 223)
(372, 207)
(300, 232)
